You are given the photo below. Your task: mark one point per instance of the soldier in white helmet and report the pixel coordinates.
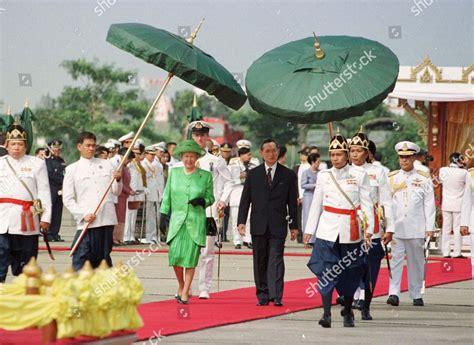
(414, 213)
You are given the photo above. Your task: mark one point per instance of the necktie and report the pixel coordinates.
(269, 176)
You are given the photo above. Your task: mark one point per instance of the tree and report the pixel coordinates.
(96, 105)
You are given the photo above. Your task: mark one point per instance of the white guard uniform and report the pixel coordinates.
(330, 226)
(84, 184)
(136, 184)
(453, 179)
(236, 167)
(31, 171)
(153, 196)
(467, 212)
(222, 183)
(414, 214)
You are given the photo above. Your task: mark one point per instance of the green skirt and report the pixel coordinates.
(183, 251)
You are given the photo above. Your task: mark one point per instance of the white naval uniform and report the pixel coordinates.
(136, 184)
(84, 184)
(467, 212)
(331, 226)
(453, 180)
(31, 171)
(115, 161)
(222, 183)
(414, 213)
(236, 167)
(153, 197)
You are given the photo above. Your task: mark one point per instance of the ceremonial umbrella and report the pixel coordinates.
(179, 57)
(194, 115)
(5, 122)
(26, 120)
(318, 81)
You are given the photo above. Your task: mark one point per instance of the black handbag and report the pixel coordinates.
(211, 226)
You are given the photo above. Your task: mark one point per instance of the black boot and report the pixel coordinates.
(365, 311)
(348, 313)
(325, 321)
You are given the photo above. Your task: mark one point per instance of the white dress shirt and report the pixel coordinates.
(273, 167)
(32, 171)
(329, 226)
(413, 203)
(84, 184)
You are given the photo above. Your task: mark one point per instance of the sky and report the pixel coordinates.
(36, 36)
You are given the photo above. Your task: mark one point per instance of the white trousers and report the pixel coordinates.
(152, 223)
(130, 220)
(206, 264)
(414, 251)
(451, 221)
(236, 237)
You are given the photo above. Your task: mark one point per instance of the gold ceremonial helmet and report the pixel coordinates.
(338, 143)
(16, 132)
(360, 140)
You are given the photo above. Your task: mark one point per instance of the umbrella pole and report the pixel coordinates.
(109, 186)
(330, 129)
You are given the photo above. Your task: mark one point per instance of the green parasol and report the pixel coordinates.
(179, 57)
(311, 81)
(26, 121)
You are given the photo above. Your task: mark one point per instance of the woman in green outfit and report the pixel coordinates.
(187, 194)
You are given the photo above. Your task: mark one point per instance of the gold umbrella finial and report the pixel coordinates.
(26, 103)
(317, 46)
(195, 102)
(361, 129)
(192, 37)
(9, 110)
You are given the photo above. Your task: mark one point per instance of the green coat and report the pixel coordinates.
(180, 188)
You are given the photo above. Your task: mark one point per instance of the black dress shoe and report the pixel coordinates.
(249, 245)
(277, 303)
(349, 319)
(393, 300)
(460, 257)
(58, 239)
(262, 303)
(340, 300)
(418, 302)
(365, 314)
(325, 321)
(447, 257)
(238, 246)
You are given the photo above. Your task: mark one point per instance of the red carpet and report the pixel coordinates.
(235, 306)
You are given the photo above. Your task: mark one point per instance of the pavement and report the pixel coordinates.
(447, 317)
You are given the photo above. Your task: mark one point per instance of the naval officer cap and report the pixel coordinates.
(109, 145)
(160, 146)
(407, 148)
(126, 137)
(114, 142)
(150, 149)
(199, 127)
(226, 147)
(55, 144)
(243, 143)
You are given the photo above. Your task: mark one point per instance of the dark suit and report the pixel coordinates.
(269, 225)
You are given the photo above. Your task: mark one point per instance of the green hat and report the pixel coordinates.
(188, 146)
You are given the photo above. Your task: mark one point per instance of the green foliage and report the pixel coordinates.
(96, 105)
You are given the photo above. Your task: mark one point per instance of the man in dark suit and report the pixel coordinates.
(271, 189)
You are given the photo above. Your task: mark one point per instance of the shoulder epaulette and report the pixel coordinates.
(423, 173)
(391, 173)
(233, 160)
(471, 170)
